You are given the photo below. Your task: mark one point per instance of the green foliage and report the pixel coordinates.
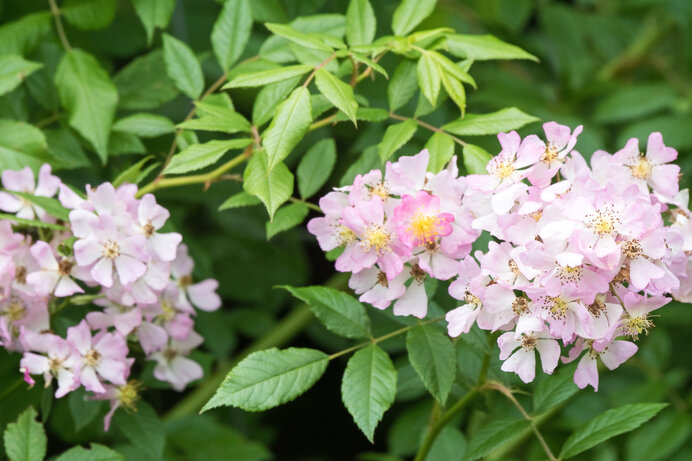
(198, 156)
(231, 31)
(96, 452)
(13, 70)
(286, 218)
(497, 122)
(272, 186)
(395, 137)
(269, 378)
(183, 67)
(494, 435)
(432, 355)
(316, 167)
(369, 387)
(25, 440)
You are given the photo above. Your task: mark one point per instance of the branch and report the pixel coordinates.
(55, 11)
(427, 126)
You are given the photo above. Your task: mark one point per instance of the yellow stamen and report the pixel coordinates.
(425, 227)
(377, 238)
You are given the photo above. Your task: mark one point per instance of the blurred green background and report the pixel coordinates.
(619, 67)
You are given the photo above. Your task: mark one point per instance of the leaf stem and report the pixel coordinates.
(427, 126)
(312, 206)
(55, 11)
(11, 388)
(318, 67)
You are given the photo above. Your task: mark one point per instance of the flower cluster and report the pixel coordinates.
(578, 259)
(110, 253)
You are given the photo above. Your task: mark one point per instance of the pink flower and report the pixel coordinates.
(518, 353)
(151, 217)
(24, 181)
(375, 288)
(560, 142)
(54, 276)
(329, 230)
(172, 365)
(612, 354)
(52, 357)
(201, 294)
(419, 220)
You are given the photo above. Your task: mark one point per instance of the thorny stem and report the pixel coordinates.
(55, 11)
(494, 385)
(427, 126)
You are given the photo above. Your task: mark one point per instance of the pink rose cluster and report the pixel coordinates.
(579, 256)
(110, 253)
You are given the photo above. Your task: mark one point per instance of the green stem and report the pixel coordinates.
(55, 11)
(427, 126)
(312, 206)
(162, 183)
(12, 387)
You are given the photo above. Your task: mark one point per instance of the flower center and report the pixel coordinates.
(473, 300)
(168, 310)
(55, 364)
(15, 311)
(641, 169)
(170, 354)
(569, 274)
(528, 341)
(185, 281)
(345, 235)
(417, 273)
(632, 249)
(382, 279)
(379, 189)
(64, 267)
(425, 227)
(603, 221)
(111, 249)
(92, 358)
(520, 306)
(549, 154)
(558, 307)
(635, 325)
(501, 169)
(148, 229)
(376, 238)
(20, 275)
(128, 394)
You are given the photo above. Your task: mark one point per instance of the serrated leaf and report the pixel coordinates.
(231, 31)
(339, 312)
(265, 77)
(220, 119)
(272, 186)
(450, 445)
(96, 452)
(25, 439)
(403, 85)
(49, 205)
(145, 125)
(241, 199)
(495, 122)
(441, 149)
(291, 121)
(278, 49)
(613, 422)
(368, 388)
(494, 435)
(553, 390)
(286, 218)
(370, 63)
(433, 357)
(143, 428)
(456, 91)
(153, 14)
(361, 23)
(315, 167)
(142, 85)
(269, 98)
(135, 173)
(307, 40)
(183, 67)
(428, 78)
(86, 92)
(31, 222)
(367, 114)
(475, 159)
(88, 14)
(269, 378)
(198, 156)
(13, 70)
(410, 13)
(395, 137)
(21, 145)
(484, 47)
(339, 93)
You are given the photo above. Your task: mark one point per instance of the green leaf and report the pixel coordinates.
(183, 67)
(22, 36)
(224, 120)
(395, 137)
(315, 167)
(306, 40)
(368, 160)
(25, 440)
(49, 205)
(89, 14)
(136, 173)
(273, 186)
(291, 121)
(31, 223)
(286, 218)
(278, 48)
(369, 387)
(634, 101)
(429, 78)
(269, 98)
(553, 390)
(120, 143)
(269, 378)
(441, 149)
(409, 14)
(370, 63)
(13, 70)
(403, 85)
(494, 435)
(231, 31)
(660, 439)
(241, 199)
(21, 145)
(339, 312)
(198, 156)
(266, 77)
(613, 422)
(96, 452)
(450, 445)
(89, 97)
(143, 428)
(484, 47)
(433, 357)
(493, 123)
(142, 85)
(145, 125)
(368, 114)
(361, 23)
(475, 159)
(338, 92)
(153, 14)
(455, 90)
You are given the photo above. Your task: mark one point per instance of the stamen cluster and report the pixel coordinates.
(579, 254)
(112, 254)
